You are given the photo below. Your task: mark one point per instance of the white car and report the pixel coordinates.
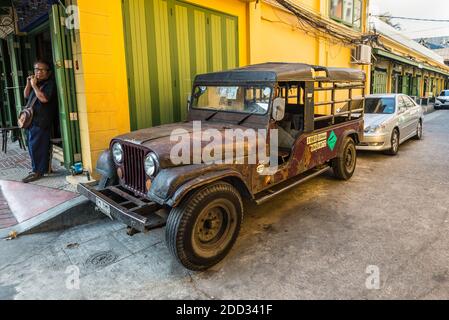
(442, 100)
(390, 120)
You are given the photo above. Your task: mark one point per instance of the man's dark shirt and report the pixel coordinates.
(44, 113)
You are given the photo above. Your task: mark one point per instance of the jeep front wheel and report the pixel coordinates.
(202, 230)
(344, 165)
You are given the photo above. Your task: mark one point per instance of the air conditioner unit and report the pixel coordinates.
(361, 54)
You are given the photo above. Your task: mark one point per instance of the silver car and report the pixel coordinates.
(442, 101)
(390, 120)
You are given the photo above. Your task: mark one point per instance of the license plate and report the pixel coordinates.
(104, 207)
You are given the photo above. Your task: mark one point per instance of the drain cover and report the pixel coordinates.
(102, 258)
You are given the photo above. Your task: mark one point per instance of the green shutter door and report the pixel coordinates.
(17, 73)
(418, 86)
(168, 43)
(379, 82)
(415, 86)
(8, 104)
(405, 84)
(65, 82)
(3, 104)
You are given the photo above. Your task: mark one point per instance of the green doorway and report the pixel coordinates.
(52, 42)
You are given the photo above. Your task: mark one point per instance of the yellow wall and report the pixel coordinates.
(102, 88)
(275, 36)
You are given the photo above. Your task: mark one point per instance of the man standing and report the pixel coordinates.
(41, 89)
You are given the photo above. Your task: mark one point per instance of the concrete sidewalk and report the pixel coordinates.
(16, 165)
(25, 207)
(428, 108)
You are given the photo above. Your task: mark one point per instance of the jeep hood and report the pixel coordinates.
(159, 139)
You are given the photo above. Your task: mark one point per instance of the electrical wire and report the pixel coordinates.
(414, 19)
(312, 23)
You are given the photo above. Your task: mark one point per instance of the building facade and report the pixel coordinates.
(133, 61)
(401, 65)
(160, 45)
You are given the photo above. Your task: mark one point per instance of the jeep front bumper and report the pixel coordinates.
(119, 204)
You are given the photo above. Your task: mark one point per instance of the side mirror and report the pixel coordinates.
(189, 101)
(278, 109)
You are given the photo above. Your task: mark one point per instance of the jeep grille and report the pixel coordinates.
(133, 167)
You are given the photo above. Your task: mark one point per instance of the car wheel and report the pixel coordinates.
(394, 143)
(419, 131)
(203, 229)
(344, 165)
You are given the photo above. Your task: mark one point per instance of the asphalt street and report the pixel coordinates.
(382, 235)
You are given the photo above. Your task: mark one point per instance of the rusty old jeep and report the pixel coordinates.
(317, 113)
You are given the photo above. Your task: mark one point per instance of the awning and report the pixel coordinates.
(6, 22)
(32, 13)
(28, 15)
(408, 61)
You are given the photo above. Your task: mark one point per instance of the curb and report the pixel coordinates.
(66, 215)
(428, 109)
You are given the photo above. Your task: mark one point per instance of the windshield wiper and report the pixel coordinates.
(246, 117)
(211, 116)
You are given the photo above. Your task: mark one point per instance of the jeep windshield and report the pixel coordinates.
(242, 99)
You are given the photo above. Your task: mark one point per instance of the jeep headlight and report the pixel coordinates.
(151, 164)
(117, 153)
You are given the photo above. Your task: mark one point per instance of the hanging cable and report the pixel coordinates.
(407, 18)
(313, 23)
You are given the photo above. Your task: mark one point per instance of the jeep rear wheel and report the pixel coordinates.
(203, 229)
(344, 165)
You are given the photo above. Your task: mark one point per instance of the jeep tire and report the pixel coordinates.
(344, 165)
(202, 230)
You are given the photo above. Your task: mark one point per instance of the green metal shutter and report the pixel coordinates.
(18, 80)
(168, 43)
(61, 39)
(405, 84)
(8, 104)
(379, 82)
(416, 82)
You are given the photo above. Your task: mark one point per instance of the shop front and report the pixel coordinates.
(393, 73)
(38, 34)
(138, 58)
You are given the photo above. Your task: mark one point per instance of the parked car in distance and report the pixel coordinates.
(442, 101)
(390, 120)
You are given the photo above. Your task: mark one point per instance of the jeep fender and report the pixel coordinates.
(105, 166)
(170, 187)
(348, 133)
